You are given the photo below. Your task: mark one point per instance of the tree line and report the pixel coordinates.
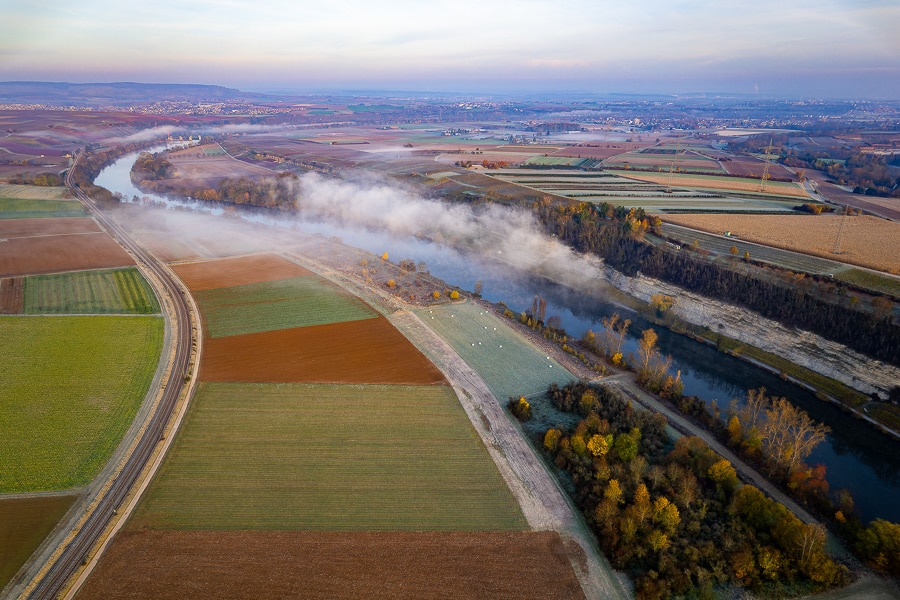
(615, 234)
(40, 179)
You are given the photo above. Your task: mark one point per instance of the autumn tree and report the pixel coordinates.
(652, 366)
(879, 546)
(613, 335)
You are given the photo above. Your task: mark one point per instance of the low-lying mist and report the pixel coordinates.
(509, 235)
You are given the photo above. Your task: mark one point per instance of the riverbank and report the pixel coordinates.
(739, 331)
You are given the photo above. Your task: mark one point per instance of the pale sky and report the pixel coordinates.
(797, 48)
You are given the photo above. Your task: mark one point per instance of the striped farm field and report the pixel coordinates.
(33, 192)
(90, 292)
(23, 208)
(509, 364)
(71, 387)
(736, 184)
(24, 523)
(328, 457)
(280, 304)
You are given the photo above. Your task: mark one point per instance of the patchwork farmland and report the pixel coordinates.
(72, 384)
(649, 191)
(332, 428)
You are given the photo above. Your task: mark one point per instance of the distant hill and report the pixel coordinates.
(115, 94)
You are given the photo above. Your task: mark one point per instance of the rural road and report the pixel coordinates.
(176, 369)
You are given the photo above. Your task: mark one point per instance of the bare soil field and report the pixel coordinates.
(865, 241)
(216, 564)
(367, 351)
(58, 253)
(12, 295)
(745, 166)
(601, 150)
(242, 270)
(21, 228)
(24, 522)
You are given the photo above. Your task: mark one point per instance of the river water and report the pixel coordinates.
(855, 456)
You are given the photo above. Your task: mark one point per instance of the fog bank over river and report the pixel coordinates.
(856, 457)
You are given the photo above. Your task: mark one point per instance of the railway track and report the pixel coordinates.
(76, 552)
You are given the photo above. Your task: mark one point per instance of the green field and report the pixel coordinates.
(281, 304)
(328, 457)
(71, 387)
(24, 523)
(23, 208)
(509, 364)
(90, 292)
(559, 161)
(871, 281)
(33, 192)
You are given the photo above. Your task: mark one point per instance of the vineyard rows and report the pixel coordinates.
(90, 292)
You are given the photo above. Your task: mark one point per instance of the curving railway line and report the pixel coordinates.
(79, 545)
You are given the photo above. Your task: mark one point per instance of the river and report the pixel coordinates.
(856, 456)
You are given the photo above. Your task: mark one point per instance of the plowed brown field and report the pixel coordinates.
(237, 271)
(753, 168)
(218, 564)
(12, 297)
(366, 351)
(16, 228)
(24, 522)
(865, 241)
(58, 253)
